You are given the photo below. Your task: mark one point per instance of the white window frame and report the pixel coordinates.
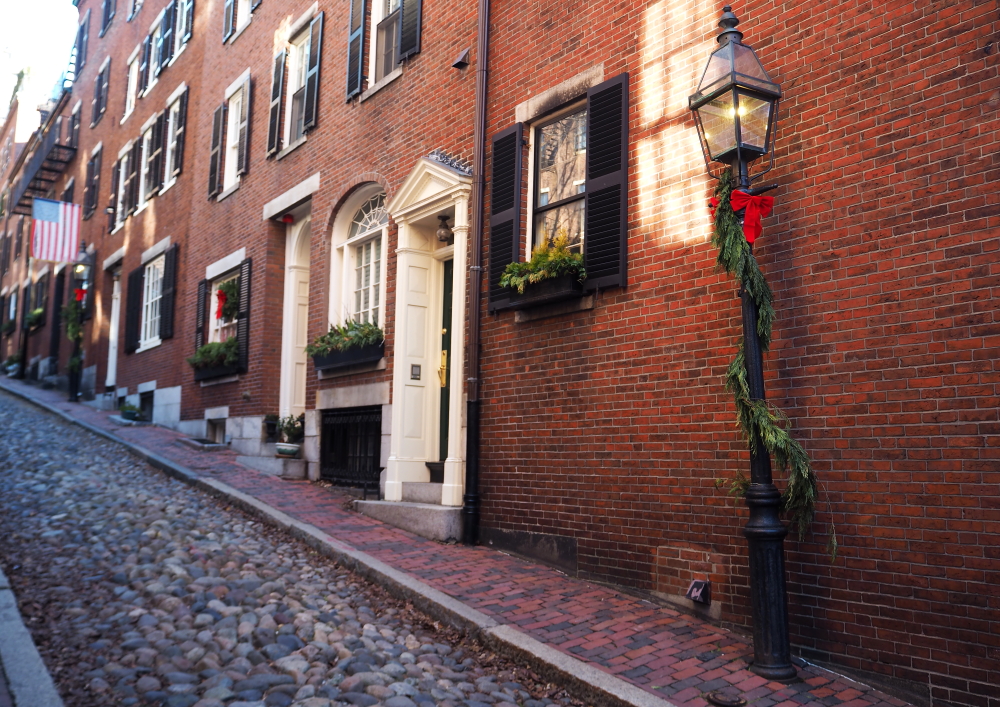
(342, 294)
(219, 331)
(230, 178)
(298, 63)
(142, 172)
(132, 89)
(380, 9)
(153, 61)
(152, 294)
(170, 148)
(243, 17)
(180, 22)
(122, 166)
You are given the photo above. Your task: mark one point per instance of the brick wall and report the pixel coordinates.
(611, 426)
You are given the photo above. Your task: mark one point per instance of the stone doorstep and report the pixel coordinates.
(422, 492)
(432, 521)
(202, 446)
(276, 466)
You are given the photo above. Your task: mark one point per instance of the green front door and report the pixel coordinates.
(445, 370)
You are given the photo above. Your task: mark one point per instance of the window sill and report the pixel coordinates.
(126, 117)
(149, 86)
(219, 381)
(177, 53)
(146, 346)
(240, 29)
(166, 186)
(117, 228)
(228, 191)
(386, 80)
(142, 208)
(291, 148)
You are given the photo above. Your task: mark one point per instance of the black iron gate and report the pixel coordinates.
(351, 447)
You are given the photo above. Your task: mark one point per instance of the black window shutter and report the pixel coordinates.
(189, 23)
(409, 29)
(75, 129)
(105, 16)
(229, 19)
(134, 174)
(312, 71)
(167, 35)
(180, 132)
(113, 201)
(95, 182)
(57, 302)
(243, 318)
(95, 104)
(505, 210)
(87, 186)
(606, 236)
(133, 310)
(214, 162)
(168, 292)
(356, 48)
(199, 315)
(81, 43)
(274, 110)
(243, 148)
(104, 87)
(155, 159)
(144, 64)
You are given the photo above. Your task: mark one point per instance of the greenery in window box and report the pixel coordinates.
(72, 313)
(127, 407)
(8, 327)
(292, 428)
(35, 318)
(348, 336)
(216, 354)
(549, 260)
(230, 289)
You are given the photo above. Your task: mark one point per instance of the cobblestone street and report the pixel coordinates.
(141, 590)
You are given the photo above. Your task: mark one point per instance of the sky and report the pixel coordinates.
(37, 35)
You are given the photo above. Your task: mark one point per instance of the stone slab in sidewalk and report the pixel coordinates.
(614, 648)
(24, 679)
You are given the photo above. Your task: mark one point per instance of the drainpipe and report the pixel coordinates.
(470, 510)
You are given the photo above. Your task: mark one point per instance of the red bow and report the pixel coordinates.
(221, 298)
(80, 294)
(757, 207)
(713, 205)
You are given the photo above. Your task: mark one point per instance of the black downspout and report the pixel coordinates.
(470, 511)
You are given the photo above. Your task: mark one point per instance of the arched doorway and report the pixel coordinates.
(295, 320)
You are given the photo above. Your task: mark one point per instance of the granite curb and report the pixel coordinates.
(28, 680)
(582, 679)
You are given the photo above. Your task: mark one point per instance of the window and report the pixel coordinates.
(133, 85)
(8, 150)
(100, 103)
(74, 126)
(152, 291)
(12, 306)
(174, 149)
(234, 109)
(120, 184)
(578, 188)
(155, 53)
(361, 254)
(107, 13)
(230, 155)
(67, 194)
(386, 33)
(147, 176)
(367, 258)
(19, 237)
(224, 305)
(302, 99)
(80, 48)
(134, 7)
(183, 24)
(560, 179)
(92, 187)
(237, 15)
(298, 61)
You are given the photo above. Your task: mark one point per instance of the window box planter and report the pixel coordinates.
(129, 415)
(350, 357)
(555, 289)
(287, 450)
(202, 374)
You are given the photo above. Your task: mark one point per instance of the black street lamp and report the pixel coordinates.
(81, 281)
(736, 106)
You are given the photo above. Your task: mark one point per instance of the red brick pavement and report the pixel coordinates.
(664, 651)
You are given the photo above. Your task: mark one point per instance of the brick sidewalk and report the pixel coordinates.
(666, 652)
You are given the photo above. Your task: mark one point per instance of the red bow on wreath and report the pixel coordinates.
(221, 298)
(757, 207)
(80, 294)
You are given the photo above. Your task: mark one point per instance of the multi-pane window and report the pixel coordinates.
(386, 34)
(182, 23)
(232, 158)
(366, 238)
(174, 141)
(146, 175)
(560, 179)
(152, 291)
(100, 102)
(155, 43)
(224, 307)
(74, 127)
(133, 86)
(107, 13)
(91, 190)
(297, 68)
(134, 7)
(80, 48)
(122, 183)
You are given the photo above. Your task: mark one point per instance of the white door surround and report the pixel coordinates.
(295, 317)
(430, 190)
(116, 298)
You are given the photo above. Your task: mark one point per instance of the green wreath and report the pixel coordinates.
(759, 419)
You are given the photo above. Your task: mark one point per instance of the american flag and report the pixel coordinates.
(56, 235)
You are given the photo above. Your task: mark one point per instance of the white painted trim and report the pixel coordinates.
(229, 191)
(27, 282)
(146, 387)
(41, 273)
(79, 104)
(291, 148)
(96, 148)
(304, 19)
(217, 413)
(570, 89)
(157, 249)
(151, 344)
(149, 123)
(157, 21)
(125, 149)
(3, 292)
(224, 264)
(240, 29)
(299, 193)
(104, 64)
(59, 268)
(134, 54)
(386, 80)
(114, 259)
(177, 92)
(237, 84)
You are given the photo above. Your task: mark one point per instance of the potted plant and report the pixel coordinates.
(35, 318)
(129, 412)
(271, 427)
(554, 273)
(218, 358)
(292, 431)
(347, 345)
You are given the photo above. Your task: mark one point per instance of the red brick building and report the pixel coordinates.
(314, 163)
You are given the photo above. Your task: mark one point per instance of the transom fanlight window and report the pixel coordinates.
(372, 216)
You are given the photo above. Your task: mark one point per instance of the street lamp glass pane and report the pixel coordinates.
(754, 114)
(751, 71)
(718, 123)
(718, 69)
